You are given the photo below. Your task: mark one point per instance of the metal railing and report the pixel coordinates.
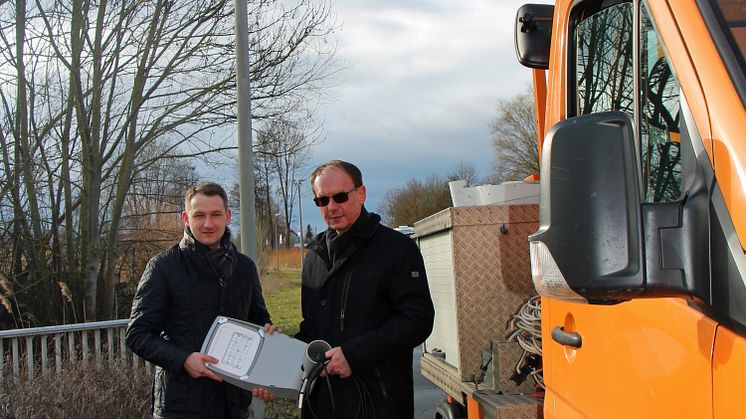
(41, 348)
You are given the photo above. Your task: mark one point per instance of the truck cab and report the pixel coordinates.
(639, 254)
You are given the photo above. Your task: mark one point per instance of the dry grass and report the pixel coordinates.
(282, 258)
(116, 392)
(80, 392)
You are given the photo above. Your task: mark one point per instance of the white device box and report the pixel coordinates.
(250, 358)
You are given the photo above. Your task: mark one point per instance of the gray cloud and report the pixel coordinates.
(423, 86)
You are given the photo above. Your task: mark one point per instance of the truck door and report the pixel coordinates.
(725, 22)
(649, 356)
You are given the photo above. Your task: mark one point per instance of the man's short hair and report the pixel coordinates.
(347, 167)
(205, 188)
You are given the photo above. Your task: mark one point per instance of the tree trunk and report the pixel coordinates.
(91, 244)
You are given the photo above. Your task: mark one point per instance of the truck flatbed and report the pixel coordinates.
(482, 402)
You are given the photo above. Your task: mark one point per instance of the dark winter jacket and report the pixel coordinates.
(374, 302)
(178, 297)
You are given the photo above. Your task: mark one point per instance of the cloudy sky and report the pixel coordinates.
(422, 86)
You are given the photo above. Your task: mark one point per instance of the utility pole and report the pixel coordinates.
(277, 241)
(300, 222)
(245, 152)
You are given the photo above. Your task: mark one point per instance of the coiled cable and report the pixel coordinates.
(525, 328)
(366, 399)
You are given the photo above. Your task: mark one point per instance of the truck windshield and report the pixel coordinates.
(730, 20)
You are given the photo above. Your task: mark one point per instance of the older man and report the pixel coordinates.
(366, 294)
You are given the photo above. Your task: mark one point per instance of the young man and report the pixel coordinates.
(179, 295)
(365, 293)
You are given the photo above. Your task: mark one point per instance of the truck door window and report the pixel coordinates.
(604, 70)
(604, 73)
(660, 155)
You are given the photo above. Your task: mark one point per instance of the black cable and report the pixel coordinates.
(363, 392)
(360, 396)
(329, 385)
(306, 387)
(364, 401)
(310, 407)
(370, 399)
(366, 398)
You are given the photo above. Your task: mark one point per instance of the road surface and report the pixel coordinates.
(426, 394)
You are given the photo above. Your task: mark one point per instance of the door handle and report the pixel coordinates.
(567, 338)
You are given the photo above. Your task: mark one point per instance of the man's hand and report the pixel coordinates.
(194, 365)
(263, 393)
(337, 363)
(269, 328)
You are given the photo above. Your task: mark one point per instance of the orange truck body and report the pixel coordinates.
(656, 352)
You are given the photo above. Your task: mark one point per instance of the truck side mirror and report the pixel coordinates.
(533, 34)
(589, 246)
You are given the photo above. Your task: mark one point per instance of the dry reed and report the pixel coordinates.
(6, 286)
(6, 303)
(67, 295)
(5, 300)
(65, 290)
(9, 308)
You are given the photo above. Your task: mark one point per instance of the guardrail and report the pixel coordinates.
(44, 347)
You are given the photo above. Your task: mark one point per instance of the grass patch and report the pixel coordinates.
(282, 296)
(281, 290)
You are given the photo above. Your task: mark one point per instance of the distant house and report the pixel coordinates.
(284, 236)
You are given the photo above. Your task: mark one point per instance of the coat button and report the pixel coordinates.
(323, 302)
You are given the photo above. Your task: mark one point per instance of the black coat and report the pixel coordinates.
(172, 311)
(375, 304)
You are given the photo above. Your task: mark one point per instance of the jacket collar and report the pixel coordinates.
(360, 232)
(218, 263)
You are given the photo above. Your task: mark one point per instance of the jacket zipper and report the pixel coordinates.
(220, 281)
(377, 372)
(345, 293)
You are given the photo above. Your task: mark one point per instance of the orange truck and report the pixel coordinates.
(639, 254)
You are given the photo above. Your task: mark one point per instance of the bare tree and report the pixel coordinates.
(264, 204)
(151, 222)
(419, 199)
(286, 144)
(96, 93)
(266, 207)
(514, 139)
(464, 171)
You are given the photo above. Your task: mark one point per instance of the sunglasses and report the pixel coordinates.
(341, 197)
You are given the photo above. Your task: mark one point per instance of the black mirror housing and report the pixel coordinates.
(591, 221)
(533, 35)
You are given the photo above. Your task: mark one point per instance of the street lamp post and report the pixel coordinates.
(277, 241)
(245, 154)
(245, 146)
(300, 222)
